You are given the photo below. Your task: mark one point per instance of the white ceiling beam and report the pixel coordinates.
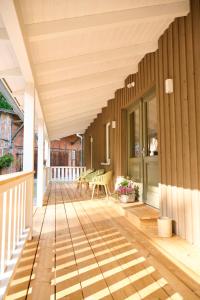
(110, 74)
(87, 70)
(91, 93)
(52, 29)
(12, 25)
(70, 126)
(10, 73)
(68, 131)
(73, 115)
(61, 134)
(85, 82)
(74, 103)
(73, 121)
(69, 90)
(71, 108)
(96, 57)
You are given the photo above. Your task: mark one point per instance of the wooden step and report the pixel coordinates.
(144, 212)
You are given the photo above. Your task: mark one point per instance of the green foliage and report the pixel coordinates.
(3, 103)
(6, 160)
(137, 193)
(124, 183)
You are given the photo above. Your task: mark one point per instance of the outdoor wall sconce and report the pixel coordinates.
(107, 162)
(113, 124)
(169, 88)
(131, 84)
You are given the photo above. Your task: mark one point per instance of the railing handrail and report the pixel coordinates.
(16, 214)
(4, 179)
(66, 173)
(67, 167)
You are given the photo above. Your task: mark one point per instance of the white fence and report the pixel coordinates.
(16, 195)
(65, 173)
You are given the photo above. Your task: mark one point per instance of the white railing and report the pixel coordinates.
(65, 173)
(16, 208)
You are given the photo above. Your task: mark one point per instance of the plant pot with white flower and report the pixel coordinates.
(125, 190)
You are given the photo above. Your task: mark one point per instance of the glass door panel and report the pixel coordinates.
(135, 169)
(152, 133)
(135, 133)
(150, 157)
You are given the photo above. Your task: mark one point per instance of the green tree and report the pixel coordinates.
(3, 103)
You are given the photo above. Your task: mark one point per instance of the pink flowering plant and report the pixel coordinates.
(125, 187)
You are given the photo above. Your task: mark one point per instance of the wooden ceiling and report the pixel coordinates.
(82, 50)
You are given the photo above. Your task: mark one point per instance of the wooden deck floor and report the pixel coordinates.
(84, 249)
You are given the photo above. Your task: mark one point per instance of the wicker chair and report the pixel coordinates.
(81, 179)
(102, 180)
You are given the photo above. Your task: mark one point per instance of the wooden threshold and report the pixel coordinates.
(84, 249)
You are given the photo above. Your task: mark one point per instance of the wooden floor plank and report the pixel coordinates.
(40, 285)
(144, 274)
(20, 284)
(84, 249)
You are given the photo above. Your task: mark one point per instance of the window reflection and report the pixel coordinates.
(135, 133)
(152, 132)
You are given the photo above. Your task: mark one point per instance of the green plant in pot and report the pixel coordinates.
(6, 161)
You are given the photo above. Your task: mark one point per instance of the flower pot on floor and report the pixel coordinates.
(127, 198)
(164, 227)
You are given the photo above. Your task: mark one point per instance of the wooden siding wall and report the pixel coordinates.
(177, 57)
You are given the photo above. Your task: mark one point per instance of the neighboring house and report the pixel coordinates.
(11, 135)
(66, 151)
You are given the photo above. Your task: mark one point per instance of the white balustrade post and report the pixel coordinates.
(40, 167)
(29, 119)
(47, 158)
(29, 204)
(28, 144)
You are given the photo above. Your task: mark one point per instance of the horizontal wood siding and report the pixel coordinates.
(177, 57)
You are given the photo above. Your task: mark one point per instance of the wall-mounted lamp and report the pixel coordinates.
(113, 124)
(131, 84)
(169, 88)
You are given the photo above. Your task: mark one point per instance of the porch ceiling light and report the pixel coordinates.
(131, 84)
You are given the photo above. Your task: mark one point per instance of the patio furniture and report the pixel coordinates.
(102, 180)
(81, 179)
(89, 178)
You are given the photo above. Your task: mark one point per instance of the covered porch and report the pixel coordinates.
(124, 77)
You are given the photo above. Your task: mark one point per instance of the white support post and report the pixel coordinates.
(29, 118)
(40, 167)
(49, 155)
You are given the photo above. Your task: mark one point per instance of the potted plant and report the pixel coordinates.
(125, 190)
(6, 161)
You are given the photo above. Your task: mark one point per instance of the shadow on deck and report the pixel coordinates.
(85, 249)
